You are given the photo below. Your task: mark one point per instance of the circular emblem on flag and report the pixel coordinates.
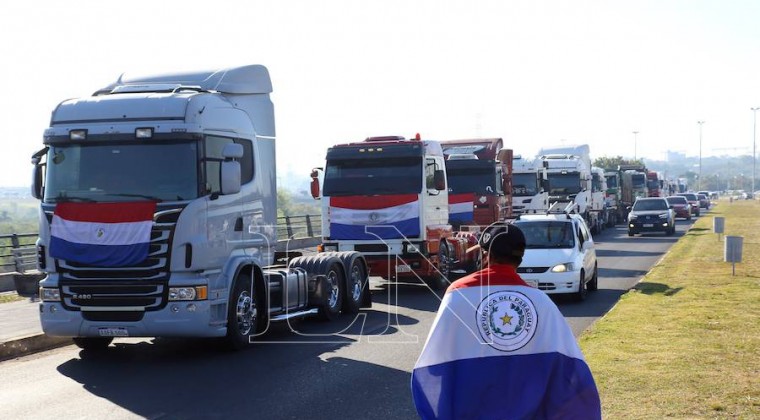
(506, 320)
(100, 232)
(373, 217)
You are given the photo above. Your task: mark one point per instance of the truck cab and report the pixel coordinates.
(387, 197)
(529, 186)
(158, 215)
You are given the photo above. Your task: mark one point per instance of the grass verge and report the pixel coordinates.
(685, 342)
(9, 297)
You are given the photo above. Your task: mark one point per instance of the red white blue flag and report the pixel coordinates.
(102, 234)
(372, 217)
(461, 208)
(500, 349)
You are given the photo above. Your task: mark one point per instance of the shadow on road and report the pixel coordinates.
(193, 380)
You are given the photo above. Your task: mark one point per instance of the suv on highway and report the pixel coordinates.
(651, 214)
(704, 202)
(560, 257)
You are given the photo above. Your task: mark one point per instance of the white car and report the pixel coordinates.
(560, 257)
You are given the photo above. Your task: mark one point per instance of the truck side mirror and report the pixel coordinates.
(37, 178)
(315, 184)
(439, 178)
(230, 168)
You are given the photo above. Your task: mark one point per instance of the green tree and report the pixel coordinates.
(607, 162)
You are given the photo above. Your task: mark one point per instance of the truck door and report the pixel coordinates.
(435, 203)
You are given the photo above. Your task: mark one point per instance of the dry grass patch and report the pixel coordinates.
(685, 343)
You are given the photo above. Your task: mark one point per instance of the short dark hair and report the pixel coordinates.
(504, 242)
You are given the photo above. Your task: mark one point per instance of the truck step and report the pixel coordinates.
(296, 314)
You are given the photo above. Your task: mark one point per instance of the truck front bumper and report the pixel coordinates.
(177, 319)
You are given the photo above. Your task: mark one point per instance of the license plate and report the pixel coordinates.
(403, 269)
(113, 332)
(648, 225)
(531, 282)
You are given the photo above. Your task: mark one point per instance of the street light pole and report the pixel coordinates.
(635, 133)
(754, 155)
(699, 183)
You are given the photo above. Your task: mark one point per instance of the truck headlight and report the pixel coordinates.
(188, 293)
(664, 216)
(562, 268)
(50, 294)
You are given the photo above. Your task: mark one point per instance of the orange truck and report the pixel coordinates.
(479, 174)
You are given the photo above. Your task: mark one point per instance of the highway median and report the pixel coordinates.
(685, 342)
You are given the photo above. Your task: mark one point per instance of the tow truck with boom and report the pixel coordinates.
(387, 198)
(158, 216)
(478, 172)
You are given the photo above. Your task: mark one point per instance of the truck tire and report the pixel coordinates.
(357, 280)
(93, 344)
(330, 266)
(440, 280)
(242, 313)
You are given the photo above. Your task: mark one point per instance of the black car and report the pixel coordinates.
(652, 214)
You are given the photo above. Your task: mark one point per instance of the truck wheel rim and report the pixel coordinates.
(444, 264)
(356, 283)
(246, 313)
(332, 279)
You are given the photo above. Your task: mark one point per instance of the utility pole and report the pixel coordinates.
(754, 154)
(699, 183)
(635, 134)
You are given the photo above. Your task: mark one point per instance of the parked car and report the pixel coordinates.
(560, 257)
(680, 206)
(651, 214)
(694, 201)
(704, 202)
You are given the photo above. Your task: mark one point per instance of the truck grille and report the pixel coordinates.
(532, 270)
(141, 287)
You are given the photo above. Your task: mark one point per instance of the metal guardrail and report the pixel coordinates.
(18, 253)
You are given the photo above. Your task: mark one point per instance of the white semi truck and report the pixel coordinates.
(569, 177)
(158, 216)
(529, 192)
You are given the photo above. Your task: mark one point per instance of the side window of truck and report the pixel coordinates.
(213, 157)
(430, 167)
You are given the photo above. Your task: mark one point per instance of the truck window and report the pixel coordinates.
(213, 158)
(381, 176)
(524, 185)
(430, 167)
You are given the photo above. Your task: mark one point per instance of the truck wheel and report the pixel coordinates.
(335, 290)
(357, 282)
(242, 313)
(440, 280)
(93, 343)
(593, 285)
(582, 292)
(329, 265)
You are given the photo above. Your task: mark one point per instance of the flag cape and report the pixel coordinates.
(461, 207)
(502, 351)
(102, 234)
(370, 217)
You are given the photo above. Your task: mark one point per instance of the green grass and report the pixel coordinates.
(685, 342)
(9, 297)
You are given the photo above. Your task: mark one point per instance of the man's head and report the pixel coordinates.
(504, 243)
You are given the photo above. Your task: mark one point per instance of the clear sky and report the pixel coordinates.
(536, 73)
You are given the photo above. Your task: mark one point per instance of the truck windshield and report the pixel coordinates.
(524, 185)
(596, 182)
(373, 176)
(638, 181)
(611, 181)
(471, 180)
(564, 183)
(122, 172)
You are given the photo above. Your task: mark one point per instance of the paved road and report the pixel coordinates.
(348, 369)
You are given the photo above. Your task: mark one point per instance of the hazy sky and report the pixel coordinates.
(536, 73)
